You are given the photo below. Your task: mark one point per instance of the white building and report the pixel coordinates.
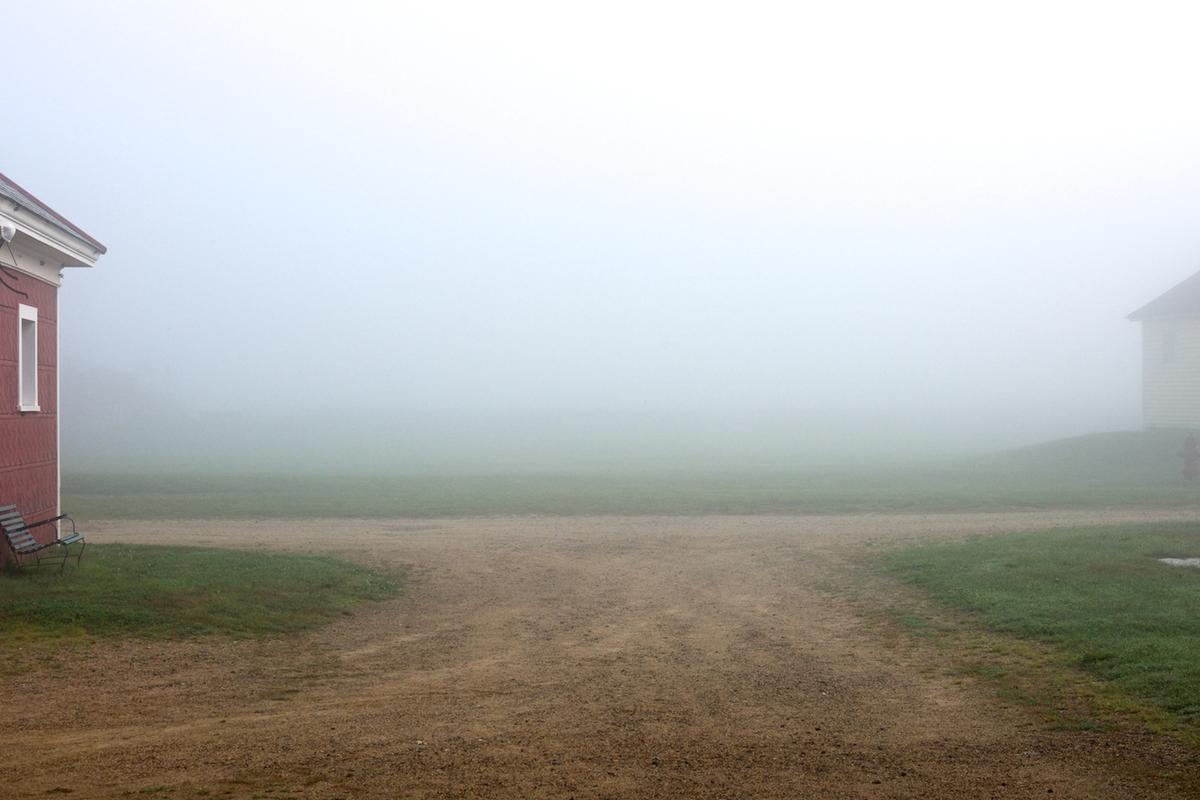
(1171, 357)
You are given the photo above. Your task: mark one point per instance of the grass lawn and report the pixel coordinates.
(1097, 596)
(183, 496)
(150, 591)
(1129, 469)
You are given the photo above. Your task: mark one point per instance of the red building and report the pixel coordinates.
(36, 245)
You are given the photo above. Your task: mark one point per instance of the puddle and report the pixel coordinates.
(1181, 562)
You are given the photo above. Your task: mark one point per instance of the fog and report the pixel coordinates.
(433, 236)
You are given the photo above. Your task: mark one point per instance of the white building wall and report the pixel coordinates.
(1171, 373)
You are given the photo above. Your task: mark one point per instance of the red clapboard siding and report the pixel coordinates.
(29, 442)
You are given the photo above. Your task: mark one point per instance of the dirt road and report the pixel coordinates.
(558, 658)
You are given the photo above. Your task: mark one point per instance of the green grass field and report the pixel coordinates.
(1096, 596)
(1106, 470)
(204, 496)
(155, 592)
(181, 496)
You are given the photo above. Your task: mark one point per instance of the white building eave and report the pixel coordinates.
(57, 243)
(33, 259)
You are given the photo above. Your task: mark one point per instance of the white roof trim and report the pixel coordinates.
(33, 259)
(72, 250)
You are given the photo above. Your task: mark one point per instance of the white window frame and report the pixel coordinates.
(27, 328)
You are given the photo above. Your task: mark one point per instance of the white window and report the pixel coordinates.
(27, 365)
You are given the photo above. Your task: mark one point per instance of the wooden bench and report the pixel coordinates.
(24, 546)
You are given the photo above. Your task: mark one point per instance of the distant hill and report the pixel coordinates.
(1125, 457)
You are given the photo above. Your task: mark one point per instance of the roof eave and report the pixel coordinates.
(1149, 316)
(74, 250)
(48, 215)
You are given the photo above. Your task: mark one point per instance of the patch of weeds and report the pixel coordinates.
(989, 672)
(915, 625)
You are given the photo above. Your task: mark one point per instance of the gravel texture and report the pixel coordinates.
(600, 657)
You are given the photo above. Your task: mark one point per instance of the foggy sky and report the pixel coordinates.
(930, 213)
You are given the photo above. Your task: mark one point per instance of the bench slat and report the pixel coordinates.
(22, 540)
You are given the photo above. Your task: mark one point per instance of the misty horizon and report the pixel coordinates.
(807, 233)
(100, 435)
